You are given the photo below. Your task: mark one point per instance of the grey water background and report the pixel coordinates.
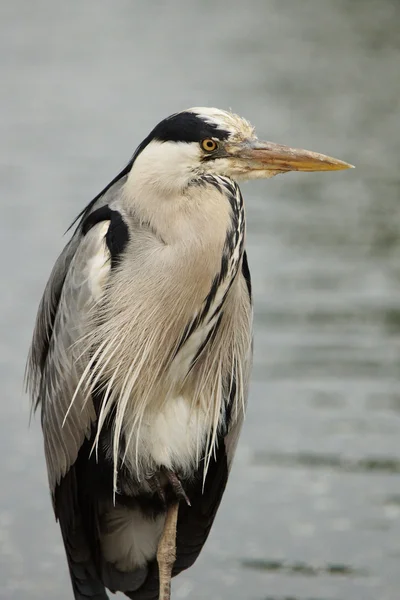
(312, 509)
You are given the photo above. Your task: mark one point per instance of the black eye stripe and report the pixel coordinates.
(186, 127)
(183, 127)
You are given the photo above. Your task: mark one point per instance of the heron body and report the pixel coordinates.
(141, 353)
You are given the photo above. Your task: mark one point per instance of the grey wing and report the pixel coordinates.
(45, 320)
(55, 365)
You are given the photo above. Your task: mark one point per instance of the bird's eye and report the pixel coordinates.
(209, 145)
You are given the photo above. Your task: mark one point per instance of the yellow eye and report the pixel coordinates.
(209, 145)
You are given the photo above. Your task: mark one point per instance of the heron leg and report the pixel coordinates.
(166, 551)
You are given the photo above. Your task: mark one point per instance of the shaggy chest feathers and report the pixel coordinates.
(166, 377)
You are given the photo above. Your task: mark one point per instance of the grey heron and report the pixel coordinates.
(142, 350)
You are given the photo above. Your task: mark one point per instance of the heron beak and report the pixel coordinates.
(274, 158)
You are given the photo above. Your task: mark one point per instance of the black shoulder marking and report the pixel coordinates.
(97, 216)
(117, 235)
(246, 273)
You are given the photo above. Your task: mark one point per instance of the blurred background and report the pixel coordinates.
(313, 504)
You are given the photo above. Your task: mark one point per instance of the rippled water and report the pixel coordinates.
(313, 505)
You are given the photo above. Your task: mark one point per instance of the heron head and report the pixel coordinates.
(201, 141)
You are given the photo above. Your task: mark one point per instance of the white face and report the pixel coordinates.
(167, 166)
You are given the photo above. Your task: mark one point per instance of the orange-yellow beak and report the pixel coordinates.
(263, 159)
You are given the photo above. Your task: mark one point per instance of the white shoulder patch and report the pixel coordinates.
(99, 264)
